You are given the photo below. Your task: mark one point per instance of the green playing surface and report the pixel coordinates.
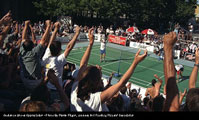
(143, 73)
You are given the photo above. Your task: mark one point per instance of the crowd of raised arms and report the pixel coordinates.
(35, 76)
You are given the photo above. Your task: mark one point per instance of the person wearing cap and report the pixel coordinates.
(52, 58)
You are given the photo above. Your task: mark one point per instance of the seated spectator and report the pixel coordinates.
(116, 103)
(42, 93)
(33, 106)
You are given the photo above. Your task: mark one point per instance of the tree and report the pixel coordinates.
(155, 14)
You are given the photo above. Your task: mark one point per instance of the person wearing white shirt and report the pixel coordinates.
(52, 58)
(179, 68)
(102, 48)
(88, 92)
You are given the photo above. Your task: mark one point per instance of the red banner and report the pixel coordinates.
(117, 39)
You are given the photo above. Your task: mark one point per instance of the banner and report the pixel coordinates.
(117, 39)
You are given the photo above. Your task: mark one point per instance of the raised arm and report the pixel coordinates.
(85, 58)
(157, 85)
(53, 36)
(172, 94)
(182, 96)
(160, 80)
(72, 42)
(4, 34)
(6, 19)
(109, 81)
(33, 34)
(54, 80)
(45, 36)
(111, 91)
(194, 73)
(24, 33)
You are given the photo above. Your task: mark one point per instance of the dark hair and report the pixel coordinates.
(41, 93)
(123, 90)
(134, 93)
(192, 100)
(153, 82)
(89, 80)
(55, 48)
(158, 103)
(135, 105)
(33, 106)
(28, 45)
(146, 100)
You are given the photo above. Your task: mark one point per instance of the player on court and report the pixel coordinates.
(102, 48)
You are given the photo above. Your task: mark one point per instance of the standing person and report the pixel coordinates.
(172, 92)
(87, 92)
(179, 69)
(52, 58)
(192, 96)
(152, 91)
(29, 57)
(102, 48)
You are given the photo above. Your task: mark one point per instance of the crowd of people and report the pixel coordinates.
(35, 76)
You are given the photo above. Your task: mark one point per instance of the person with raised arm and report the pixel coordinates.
(88, 92)
(52, 58)
(55, 81)
(33, 34)
(192, 97)
(155, 89)
(29, 58)
(6, 20)
(172, 93)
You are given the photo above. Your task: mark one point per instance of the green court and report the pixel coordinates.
(119, 58)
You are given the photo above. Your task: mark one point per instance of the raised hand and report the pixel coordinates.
(48, 23)
(91, 36)
(138, 58)
(52, 77)
(57, 25)
(196, 56)
(27, 23)
(77, 29)
(184, 93)
(7, 18)
(170, 39)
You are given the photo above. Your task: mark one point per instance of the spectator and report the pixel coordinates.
(41, 93)
(152, 92)
(85, 95)
(172, 93)
(52, 58)
(30, 58)
(33, 106)
(192, 97)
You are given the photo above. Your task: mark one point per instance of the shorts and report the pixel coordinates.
(181, 69)
(178, 72)
(103, 51)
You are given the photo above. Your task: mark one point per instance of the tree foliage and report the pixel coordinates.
(146, 13)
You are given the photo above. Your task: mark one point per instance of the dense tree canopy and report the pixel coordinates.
(145, 13)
